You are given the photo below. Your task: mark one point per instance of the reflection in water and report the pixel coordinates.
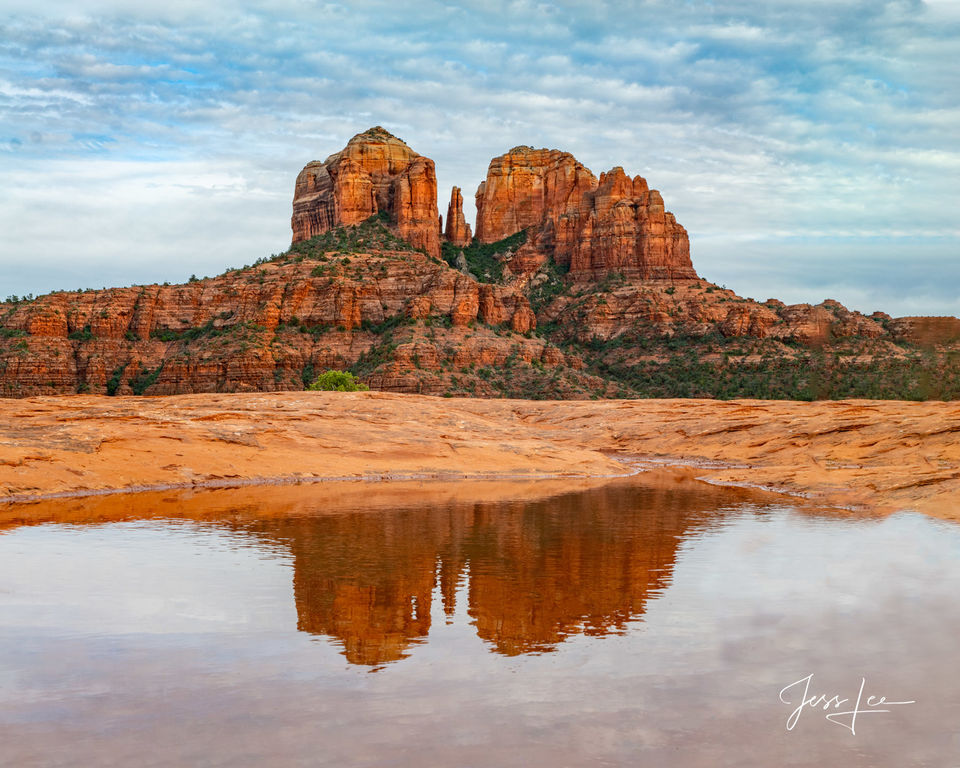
(240, 633)
(536, 572)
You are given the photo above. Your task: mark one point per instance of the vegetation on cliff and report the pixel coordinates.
(371, 235)
(485, 261)
(812, 376)
(574, 287)
(359, 299)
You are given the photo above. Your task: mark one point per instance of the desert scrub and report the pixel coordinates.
(369, 235)
(84, 334)
(145, 379)
(483, 258)
(551, 287)
(338, 381)
(113, 383)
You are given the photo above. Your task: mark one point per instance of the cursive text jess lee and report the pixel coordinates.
(861, 707)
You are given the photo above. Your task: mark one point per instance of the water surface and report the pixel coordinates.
(625, 625)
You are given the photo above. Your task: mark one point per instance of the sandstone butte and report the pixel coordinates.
(574, 287)
(375, 172)
(590, 227)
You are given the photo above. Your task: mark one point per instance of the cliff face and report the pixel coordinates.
(376, 172)
(269, 328)
(526, 188)
(592, 227)
(573, 287)
(403, 320)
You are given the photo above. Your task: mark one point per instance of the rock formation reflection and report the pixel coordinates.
(536, 572)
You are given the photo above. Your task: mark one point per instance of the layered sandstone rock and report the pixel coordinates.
(266, 328)
(458, 231)
(591, 226)
(886, 455)
(423, 326)
(628, 230)
(376, 172)
(528, 187)
(747, 321)
(926, 331)
(697, 308)
(409, 322)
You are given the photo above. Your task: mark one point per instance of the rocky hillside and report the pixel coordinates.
(574, 286)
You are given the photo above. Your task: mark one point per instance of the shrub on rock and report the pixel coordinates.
(338, 381)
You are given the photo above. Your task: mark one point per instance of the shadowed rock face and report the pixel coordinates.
(534, 573)
(591, 226)
(376, 172)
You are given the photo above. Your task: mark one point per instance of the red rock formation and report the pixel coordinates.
(376, 172)
(616, 224)
(747, 320)
(525, 187)
(260, 328)
(629, 231)
(408, 322)
(458, 231)
(927, 331)
(523, 320)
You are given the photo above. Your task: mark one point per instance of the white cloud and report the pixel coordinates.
(758, 121)
(134, 222)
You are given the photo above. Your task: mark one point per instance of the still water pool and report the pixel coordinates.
(624, 625)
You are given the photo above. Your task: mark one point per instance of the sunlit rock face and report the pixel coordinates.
(457, 231)
(376, 172)
(592, 226)
(260, 329)
(580, 262)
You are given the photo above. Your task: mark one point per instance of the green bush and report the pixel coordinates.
(483, 259)
(145, 379)
(307, 374)
(338, 381)
(113, 384)
(81, 335)
(368, 236)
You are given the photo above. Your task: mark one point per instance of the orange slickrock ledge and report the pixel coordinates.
(882, 456)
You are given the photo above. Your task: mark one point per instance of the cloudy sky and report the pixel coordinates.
(810, 147)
